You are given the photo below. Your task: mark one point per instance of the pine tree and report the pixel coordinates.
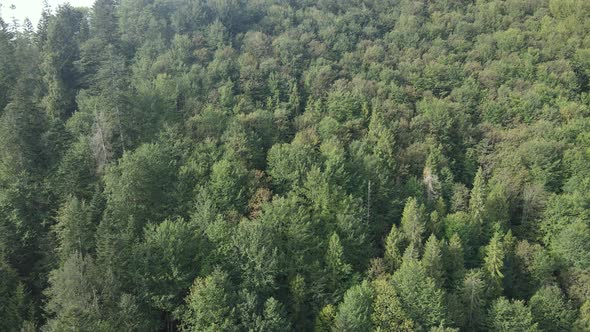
(354, 313)
(274, 319)
(61, 51)
(551, 310)
(454, 261)
(510, 316)
(413, 222)
(473, 297)
(477, 199)
(11, 299)
(104, 21)
(338, 271)
(325, 319)
(393, 256)
(7, 65)
(419, 296)
(43, 25)
(583, 321)
(73, 301)
(170, 255)
(388, 314)
(74, 229)
(432, 260)
(494, 262)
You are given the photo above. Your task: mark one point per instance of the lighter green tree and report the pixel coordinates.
(510, 316)
(393, 243)
(551, 310)
(432, 260)
(337, 270)
(210, 305)
(388, 314)
(477, 199)
(472, 297)
(354, 313)
(420, 297)
(494, 261)
(413, 222)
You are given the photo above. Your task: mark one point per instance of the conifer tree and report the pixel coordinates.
(551, 310)
(74, 229)
(494, 262)
(432, 260)
(413, 222)
(393, 243)
(420, 297)
(473, 299)
(354, 313)
(388, 313)
(338, 271)
(454, 261)
(477, 199)
(325, 319)
(505, 315)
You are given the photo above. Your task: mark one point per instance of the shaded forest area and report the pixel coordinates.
(296, 165)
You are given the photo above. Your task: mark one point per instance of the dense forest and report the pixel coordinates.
(296, 165)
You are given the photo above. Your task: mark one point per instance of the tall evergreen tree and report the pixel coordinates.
(413, 222)
(432, 260)
(103, 22)
(494, 262)
(393, 242)
(508, 315)
(65, 32)
(354, 314)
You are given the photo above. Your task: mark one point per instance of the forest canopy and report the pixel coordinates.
(296, 165)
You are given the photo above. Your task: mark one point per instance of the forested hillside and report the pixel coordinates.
(296, 165)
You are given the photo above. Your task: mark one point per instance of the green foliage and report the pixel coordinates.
(551, 311)
(274, 317)
(388, 313)
(11, 298)
(82, 297)
(256, 256)
(288, 163)
(393, 243)
(572, 244)
(508, 315)
(170, 252)
(75, 229)
(338, 271)
(420, 297)
(413, 222)
(209, 304)
(432, 260)
(77, 170)
(494, 261)
(354, 313)
(473, 298)
(138, 186)
(476, 201)
(64, 34)
(438, 150)
(73, 296)
(454, 260)
(583, 321)
(325, 319)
